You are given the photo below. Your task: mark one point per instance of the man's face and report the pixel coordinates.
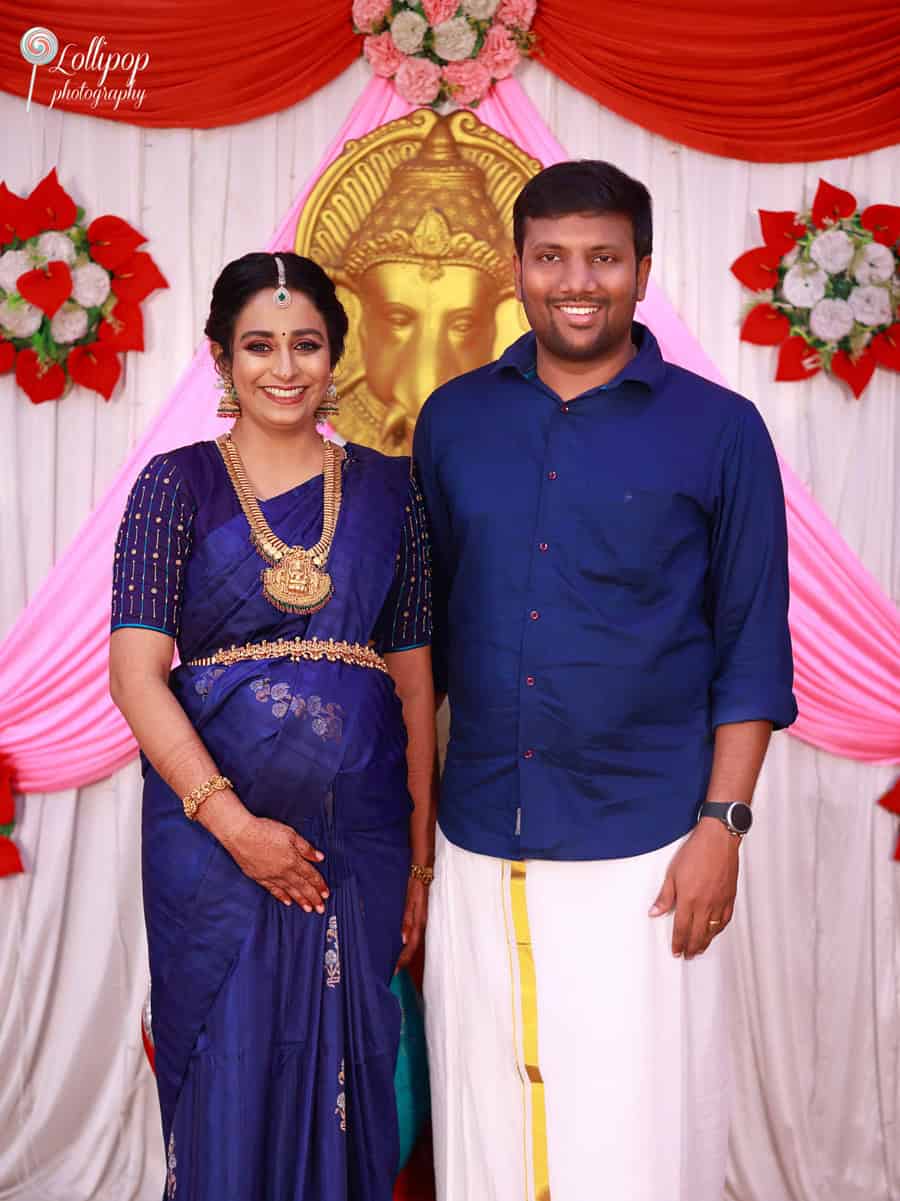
(579, 281)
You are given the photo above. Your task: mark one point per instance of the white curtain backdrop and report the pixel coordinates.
(816, 956)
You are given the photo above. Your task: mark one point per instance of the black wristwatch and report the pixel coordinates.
(736, 817)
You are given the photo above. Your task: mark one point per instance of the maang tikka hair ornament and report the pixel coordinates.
(281, 295)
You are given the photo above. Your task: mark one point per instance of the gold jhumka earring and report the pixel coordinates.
(229, 405)
(329, 407)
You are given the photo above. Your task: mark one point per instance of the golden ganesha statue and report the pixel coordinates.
(413, 222)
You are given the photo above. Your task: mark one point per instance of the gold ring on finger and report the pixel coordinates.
(713, 922)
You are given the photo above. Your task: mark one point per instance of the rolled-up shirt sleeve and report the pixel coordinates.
(748, 592)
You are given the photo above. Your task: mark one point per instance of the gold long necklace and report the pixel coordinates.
(296, 581)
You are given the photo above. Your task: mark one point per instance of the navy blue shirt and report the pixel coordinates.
(610, 584)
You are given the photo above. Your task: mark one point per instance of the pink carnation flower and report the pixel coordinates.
(418, 80)
(383, 55)
(516, 13)
(499, 54)
(369, 15)
(437, 11)
(468, 81)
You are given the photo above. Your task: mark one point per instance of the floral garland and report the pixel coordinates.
(827, 287)
(69, 294)
(441, 52)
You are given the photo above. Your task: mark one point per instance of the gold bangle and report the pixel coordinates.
(195, 799)
(417, 872)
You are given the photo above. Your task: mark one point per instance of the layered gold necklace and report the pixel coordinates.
(296, 581)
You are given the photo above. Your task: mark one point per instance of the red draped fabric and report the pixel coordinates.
(759, 80)
(211, 62)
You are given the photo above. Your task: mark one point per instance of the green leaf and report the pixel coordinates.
(6, 831)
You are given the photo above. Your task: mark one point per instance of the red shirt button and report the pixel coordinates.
(529, 680)
(529, 754)
(551, 475)
(534, 615)
(543, 546)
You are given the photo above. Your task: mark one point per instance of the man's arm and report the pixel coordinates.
(750, 692)
(702, 878)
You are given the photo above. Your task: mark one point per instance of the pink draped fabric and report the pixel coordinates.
(846, 631)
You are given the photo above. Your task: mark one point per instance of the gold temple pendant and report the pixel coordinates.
(297, 584)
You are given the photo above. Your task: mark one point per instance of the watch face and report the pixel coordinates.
(740, 817)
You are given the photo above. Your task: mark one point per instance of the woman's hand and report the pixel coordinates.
(415, 915)
(277, 858)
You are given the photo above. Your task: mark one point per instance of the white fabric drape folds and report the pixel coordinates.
(815, 983)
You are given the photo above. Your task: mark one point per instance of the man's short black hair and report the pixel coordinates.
(585, 186)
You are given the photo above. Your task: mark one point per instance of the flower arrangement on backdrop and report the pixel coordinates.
(827, 288)
(444, 52)
(70, 294)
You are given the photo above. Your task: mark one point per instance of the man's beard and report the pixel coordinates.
(557, 343)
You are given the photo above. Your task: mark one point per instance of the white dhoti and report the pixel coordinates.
(572, 1056)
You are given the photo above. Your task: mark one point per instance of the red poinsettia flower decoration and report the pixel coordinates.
(820, 282)
(136, 277)
(85, 319)
(123, 328)
(884, 222)
(49, 206)
(113, 241)
(11, 207)
(10, 860)
(831, 204)
(39, 380)
(47, 287)
(96, 367)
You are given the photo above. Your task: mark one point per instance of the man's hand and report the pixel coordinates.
(700, 885)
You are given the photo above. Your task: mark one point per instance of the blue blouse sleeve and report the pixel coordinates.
(152, 548)
(405, 620)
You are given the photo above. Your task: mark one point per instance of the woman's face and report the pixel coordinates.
(281, 361)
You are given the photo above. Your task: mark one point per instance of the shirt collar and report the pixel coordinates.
(647, 368)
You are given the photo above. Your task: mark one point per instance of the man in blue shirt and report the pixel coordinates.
(610, 582)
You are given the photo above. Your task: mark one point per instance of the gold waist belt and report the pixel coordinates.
(353, 653)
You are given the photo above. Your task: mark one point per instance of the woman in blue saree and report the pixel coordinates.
(288, 811)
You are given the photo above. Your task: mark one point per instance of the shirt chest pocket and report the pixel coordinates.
(636, 531)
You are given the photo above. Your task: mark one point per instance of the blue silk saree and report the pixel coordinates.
(275, 1030)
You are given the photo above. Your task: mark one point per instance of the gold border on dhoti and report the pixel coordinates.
(525, 1031)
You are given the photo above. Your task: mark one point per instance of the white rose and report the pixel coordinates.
(874, 266)
(19, 319)
(90, 285)
(870, 305)
(804, 285)
(69, 323)
(408, 30)
(832, 250)
(13, 264)
(480, 10)
(56, 246)
(831, 320)
(454, 40)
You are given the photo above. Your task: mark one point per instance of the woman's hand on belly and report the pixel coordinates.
(278, 859)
